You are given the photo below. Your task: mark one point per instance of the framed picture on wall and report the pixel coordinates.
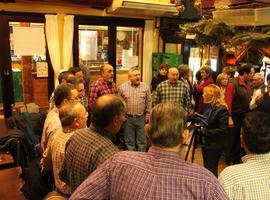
(42, 69)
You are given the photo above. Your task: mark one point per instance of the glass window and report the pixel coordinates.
(128, 51)
(93, 47)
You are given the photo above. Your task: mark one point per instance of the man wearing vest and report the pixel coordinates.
(238, 98)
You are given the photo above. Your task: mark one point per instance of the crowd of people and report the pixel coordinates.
(80, 152)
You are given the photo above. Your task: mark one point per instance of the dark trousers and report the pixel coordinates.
(235, 151)
(211, 158)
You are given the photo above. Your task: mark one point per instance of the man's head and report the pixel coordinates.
(244, 71)
(106, 72)
(255, 132)
(64, 76)
(65, 93)
(163, 69)
(79, 85)
(184, 71)
(73, 115)
(257, 80)
(167, 121)
(76, 71)
(173, 75)
(109, 113)
(134, 76)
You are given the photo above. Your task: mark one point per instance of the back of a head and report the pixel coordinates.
(245, 67)
(62, 92)
(74, 70)
(256, 132)
(68, 113)
(75, 81)
(167, 121)
(183, 70)
(105, 109)
(64, 76)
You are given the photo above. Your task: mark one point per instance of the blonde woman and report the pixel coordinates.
(215, 134)
(222, 81)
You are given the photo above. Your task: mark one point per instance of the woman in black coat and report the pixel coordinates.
(215, 134)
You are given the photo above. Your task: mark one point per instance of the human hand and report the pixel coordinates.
(230, 122)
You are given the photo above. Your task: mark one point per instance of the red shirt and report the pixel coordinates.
(231, 93)
(99, 88)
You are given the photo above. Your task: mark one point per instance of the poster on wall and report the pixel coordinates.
(29, 41)
(42, 69)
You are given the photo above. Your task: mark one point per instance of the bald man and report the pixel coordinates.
(173, 90)
(104, 85)
(90, 147)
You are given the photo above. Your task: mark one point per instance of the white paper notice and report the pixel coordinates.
(131, 61)
(29, 41)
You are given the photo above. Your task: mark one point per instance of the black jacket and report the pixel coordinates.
(215, 134)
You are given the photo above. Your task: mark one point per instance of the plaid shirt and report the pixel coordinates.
(178, 93)
(250, 180)
(99, 88)
(51, 125)
(138, 99)
(85, 151)
(57, 154)
(154, 175)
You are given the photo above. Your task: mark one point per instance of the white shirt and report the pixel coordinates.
(256, 93)
(250, 180)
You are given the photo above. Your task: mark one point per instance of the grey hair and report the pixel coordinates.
(167, 122)
(68, 113)
(132, 69)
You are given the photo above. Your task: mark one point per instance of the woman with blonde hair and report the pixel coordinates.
(215, 134)
(222, 81)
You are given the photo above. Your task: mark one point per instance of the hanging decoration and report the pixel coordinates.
(232, 39)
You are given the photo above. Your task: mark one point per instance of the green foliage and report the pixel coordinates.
(209, 32)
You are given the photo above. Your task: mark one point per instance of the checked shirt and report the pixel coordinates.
(178, 93)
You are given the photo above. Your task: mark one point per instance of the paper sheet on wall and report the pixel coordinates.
(29, 41)
(131, 61)
(42, 69)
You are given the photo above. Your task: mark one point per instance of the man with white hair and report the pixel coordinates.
(259, 89)
(138, 99)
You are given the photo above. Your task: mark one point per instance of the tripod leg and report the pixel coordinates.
(189, 146)
(194, 147)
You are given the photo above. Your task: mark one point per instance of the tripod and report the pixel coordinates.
(194, 141)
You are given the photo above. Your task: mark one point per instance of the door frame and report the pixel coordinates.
(5, 58)
(112, 23)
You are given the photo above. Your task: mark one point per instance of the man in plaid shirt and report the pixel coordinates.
(159, 174)
(173, 90)
(88, 148)
(251, 179)
(139, 104)
(104, 85)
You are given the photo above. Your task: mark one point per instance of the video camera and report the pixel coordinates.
(197, 119)
(197, 122)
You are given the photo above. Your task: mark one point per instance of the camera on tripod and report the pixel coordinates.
(198, 121)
